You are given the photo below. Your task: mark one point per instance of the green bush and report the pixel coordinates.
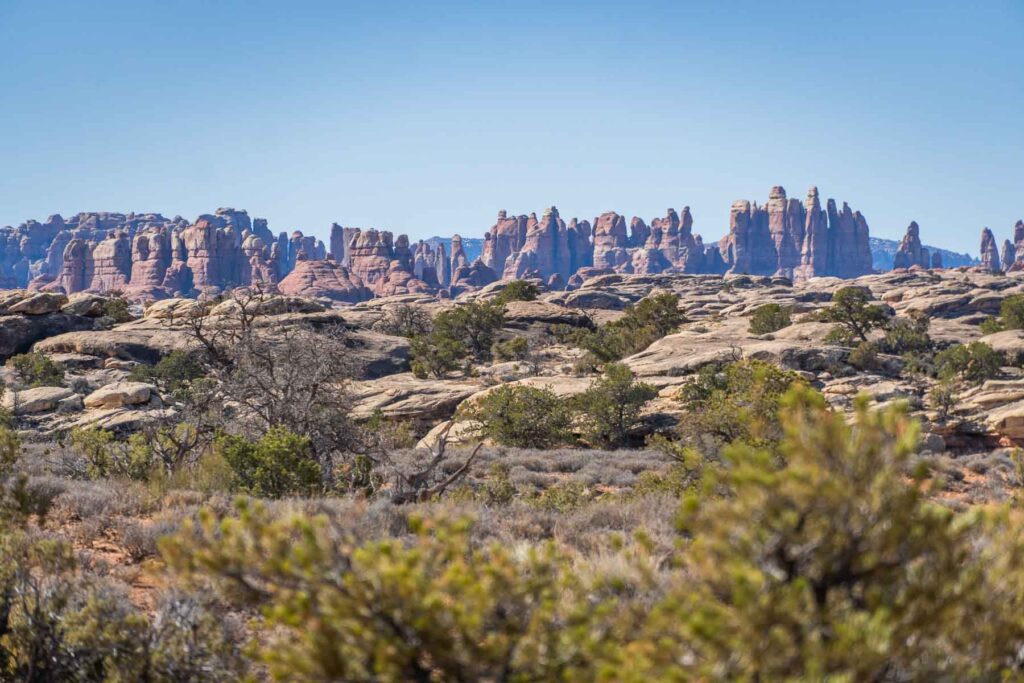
(106, 457)
(116, 308)
(821, 559)
(610, 408)
(517, 290)
(279, 464)
(648, 321)
(864, 357)
(735, 402)
(471, 325)
(35, 369)
(851, 308)
(435, 355)
(1011, 312)
(974, 362)
(907, 335)
(770, 318)
(527, 417)
(405, 320)
(943, 398)
(173, 372)
(512, 349)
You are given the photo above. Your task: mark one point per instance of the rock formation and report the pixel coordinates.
(1009, 254)
(324, 278)
(989, 251)
(148, 256)
(910, 252)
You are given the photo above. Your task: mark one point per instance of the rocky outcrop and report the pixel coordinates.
(472, 276)
(150, 257)
(910, 252)
(794, 240)
(324, 278)
(1009, 254)
(989, 251)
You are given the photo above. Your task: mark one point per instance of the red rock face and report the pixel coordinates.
(1009, 252)
(401, 281)
(611, 242)
(370, 252)
(546, 250)
(795, 240)
(989, 251)
(505, 238)
(151, 256)
(112, 263)
(472, 276)
(910, 252)
(324, 278)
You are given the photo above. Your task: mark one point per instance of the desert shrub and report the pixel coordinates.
(907, 335)
(920, 364)
(864, 356)
(770, 318)
(735, 402)
(610, 408)
(523, 416)
(828, 563)
(471, 325)
(942, 398)
(973, 362)
(173, 372)
(1011, 312)
(991, 325)
(511, 349)
(498, 488)
(117, 309)
(404, 320)
(279, 464)
(107, 457)
(435, 355)
(35, 369)
(517, 290)
(649, 320)
(851, 308)
(805, 540)
(563, 497)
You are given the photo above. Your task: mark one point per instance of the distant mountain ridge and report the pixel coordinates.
(883, 254)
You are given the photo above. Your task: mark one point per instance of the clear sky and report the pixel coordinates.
(427, 118)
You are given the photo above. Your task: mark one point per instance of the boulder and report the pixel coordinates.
(41, 303)
(120, 394)
(18, 333)
(37, 400)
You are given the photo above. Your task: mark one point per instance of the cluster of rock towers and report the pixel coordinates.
(148, 256)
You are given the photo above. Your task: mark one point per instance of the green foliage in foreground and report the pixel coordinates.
(58, 623)
(816, 560)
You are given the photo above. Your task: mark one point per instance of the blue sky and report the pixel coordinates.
(427, 118)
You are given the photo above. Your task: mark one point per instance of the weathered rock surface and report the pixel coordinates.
(120, 395)
(37, 400)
